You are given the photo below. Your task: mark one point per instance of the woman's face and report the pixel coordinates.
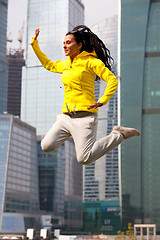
(71, 47)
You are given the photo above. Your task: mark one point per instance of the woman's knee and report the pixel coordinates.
(48, 148)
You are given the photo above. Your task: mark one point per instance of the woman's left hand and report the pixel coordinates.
(95, 105)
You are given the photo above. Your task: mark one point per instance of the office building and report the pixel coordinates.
(42, 99)
(51, 168)
(3, 60)
(73, 217)
(101, 181)
(42, 91)
(15, 62)
(101, 178)
(19, 197)
(140, 98)
(60, 186)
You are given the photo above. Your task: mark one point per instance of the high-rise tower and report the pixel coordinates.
(42, 91)
(42, 99)
(19, 198)
(140, 98)
(15, 62)
(101, 183)
(3, 61)
(104, 183)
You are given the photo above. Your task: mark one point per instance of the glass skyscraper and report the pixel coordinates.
(3, 61)
(140, 99)
(19, 197)
(42, 99)
(73, 217)
(60, 186)
(51, 183)
(42, 91)
(101, 180)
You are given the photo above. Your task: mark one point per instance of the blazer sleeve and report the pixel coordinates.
(99, 69)
(46, 62)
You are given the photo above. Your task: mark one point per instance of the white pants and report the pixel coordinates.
(83, 128)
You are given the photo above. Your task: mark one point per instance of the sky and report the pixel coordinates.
(95, 11)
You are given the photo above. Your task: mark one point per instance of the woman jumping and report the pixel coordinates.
(87, 57)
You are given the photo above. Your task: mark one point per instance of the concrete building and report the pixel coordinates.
(140, 98)
(19, 196)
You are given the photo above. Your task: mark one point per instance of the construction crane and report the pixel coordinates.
(20, 35)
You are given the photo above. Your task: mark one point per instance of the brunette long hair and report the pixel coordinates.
(91, 42)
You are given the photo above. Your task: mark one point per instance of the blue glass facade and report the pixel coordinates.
(60, 186)
(4, 139)
(140, 97)
(51, 183)
(42, 91)
(3, 61)
(19, 173)
(73, 216)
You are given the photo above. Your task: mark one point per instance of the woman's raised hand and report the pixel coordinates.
(36, 34)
